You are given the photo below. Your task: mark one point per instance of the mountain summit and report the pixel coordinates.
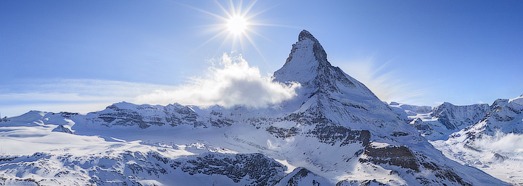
(307, 61)
(327, 92)
(308, 65)
(319, 52)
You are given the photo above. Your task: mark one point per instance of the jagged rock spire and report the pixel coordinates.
(307, 64)
(319, 52)
(307, 41)
(306, 61)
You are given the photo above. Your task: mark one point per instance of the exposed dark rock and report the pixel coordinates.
(451, 176)
(310, 117)
(359, 182)
(262, 170)
(282, 132)
(420, 126)
(399, 133)
(442, 172)
(333, 134)
(181, 115)
(302, 173)
(218, 120)
(399, 156)
(125, 117)
(68, 114)
(64, 129)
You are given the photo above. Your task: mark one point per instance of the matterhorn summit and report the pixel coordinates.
(328, 93)
(335, 131)
(307, 64)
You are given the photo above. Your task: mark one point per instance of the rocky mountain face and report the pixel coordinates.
(144, 116)
(328, 95)
(441, 121)
(493, 143)
(458, 117)
(483, 136)
(505, 116)
(334, 132)
(445, 119)
(139, 168)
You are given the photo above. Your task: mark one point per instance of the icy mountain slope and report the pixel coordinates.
(443, 120)
(505, 116)
(32, 152)
(494, 144)
(328, 93)
(483, 136)
(458, 117)
(100, 162)
(335, 130)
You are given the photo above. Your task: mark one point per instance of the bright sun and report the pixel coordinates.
(237, 24)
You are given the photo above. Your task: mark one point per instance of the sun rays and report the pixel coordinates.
(235, 25)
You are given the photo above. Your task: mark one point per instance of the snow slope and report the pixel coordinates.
(494, 144)
(487, 137)
(443, 120)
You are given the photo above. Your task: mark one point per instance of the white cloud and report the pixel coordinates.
(231, 82)
(506, 144)
(385, 83)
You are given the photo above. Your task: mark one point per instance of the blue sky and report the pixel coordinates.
(82, 55)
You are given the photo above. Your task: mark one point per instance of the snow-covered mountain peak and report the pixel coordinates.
(307, 64)
(446, 104)
(304, 34)
(319, 52)
(306, 59)
(518, 100)
(330, 94)
(122, 105)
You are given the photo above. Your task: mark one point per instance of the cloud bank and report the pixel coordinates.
(230, 82)
(506, 144)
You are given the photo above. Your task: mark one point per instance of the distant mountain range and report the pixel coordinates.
(489, 137)
(335, 131)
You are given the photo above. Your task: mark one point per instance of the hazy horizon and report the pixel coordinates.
(83, 56)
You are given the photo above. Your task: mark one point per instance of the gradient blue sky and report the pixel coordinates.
(420, 52)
